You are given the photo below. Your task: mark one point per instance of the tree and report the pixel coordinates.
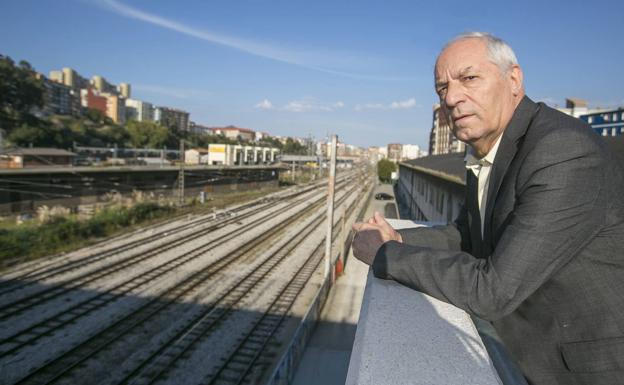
(269, 141)
(20, 92)
(385, 168)
(148, 134)
(96, 116)
(292, 147)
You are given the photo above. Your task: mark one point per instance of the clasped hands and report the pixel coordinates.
(370, 235)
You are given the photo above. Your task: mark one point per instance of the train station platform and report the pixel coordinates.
(326, 358)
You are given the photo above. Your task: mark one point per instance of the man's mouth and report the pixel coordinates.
(459, 118)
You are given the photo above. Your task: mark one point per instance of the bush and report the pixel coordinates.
(63, 233)
(385, 168)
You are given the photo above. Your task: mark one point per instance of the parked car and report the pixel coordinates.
(383, 197)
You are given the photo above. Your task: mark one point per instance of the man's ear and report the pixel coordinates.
(515, 76)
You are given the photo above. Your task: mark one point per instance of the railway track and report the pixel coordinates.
(154, 365)
(19, 281)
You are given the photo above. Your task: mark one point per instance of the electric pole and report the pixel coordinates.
(181, 175)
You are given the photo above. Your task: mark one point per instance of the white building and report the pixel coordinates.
(139, 110)
(237, 155)
(196, 156)
(410, 151)
(232, 132)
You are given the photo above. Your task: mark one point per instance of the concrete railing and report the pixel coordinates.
(407, 337)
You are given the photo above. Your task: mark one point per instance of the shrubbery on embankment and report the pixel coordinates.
(32, 240)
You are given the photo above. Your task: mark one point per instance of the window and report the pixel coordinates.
(614, 117)
(606, 117)
(590, 119)
(604, 132)
(614, 131)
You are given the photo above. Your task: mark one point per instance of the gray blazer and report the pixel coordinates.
(549, 271)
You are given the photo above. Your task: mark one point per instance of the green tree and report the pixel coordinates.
(148, 134)
(96, 116)
(269, 141)
(385, 168)
(20, 92)
(292, 147)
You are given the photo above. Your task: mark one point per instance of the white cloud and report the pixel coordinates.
(403, 105)
(265, 105)
(310, 104)
(397, 105)
(318, 60)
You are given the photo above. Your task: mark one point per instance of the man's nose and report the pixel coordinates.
(454, 94)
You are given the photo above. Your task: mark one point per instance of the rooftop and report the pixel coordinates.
(447, 166)
(232, 128)
(37, 151)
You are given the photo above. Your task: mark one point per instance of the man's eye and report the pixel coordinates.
(441, 90)
(468, 78)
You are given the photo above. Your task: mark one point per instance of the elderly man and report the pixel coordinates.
(538, 248)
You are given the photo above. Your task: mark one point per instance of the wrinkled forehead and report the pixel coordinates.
(460, 55)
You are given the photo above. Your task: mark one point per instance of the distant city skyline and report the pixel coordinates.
(360, 70)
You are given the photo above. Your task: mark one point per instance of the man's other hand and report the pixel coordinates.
(370, 235)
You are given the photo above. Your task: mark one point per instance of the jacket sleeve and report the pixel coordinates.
(559, 208)
(438, 237)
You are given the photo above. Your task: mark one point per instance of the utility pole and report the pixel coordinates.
(181, 175)
(330, 204)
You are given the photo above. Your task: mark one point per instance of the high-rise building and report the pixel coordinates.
(58, 99)
(102, 85)
(70, 78)
(410, 151)
(57, 76)
(73, 79)
(139, 110)
(441, 139)
(394, 151)
(91, 100)
(124, 90)
(115, 108)
(172, 118)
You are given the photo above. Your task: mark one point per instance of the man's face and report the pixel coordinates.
(477, 98)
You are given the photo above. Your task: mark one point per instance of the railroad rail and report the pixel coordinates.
(260, 257)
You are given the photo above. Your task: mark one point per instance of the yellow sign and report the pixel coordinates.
(212, 148)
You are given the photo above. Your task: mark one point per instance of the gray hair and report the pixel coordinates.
(499, 52)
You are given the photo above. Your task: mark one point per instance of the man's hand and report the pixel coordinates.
(370, 235)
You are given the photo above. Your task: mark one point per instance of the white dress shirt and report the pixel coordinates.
(481, 169)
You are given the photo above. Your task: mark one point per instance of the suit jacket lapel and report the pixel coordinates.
(507, 150)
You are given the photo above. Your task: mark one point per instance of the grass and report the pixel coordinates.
(31, 240)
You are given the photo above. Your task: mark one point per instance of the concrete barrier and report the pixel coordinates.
(407, 337)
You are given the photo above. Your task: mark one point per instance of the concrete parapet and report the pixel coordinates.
(407, 337)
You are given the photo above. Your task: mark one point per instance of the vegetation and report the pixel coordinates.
(22, 93)
(60, 233)
(292, 147)
(385, 168)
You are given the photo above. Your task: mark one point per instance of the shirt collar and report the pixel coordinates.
(472, 162)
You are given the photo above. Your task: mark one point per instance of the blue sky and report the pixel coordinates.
(360, 69)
